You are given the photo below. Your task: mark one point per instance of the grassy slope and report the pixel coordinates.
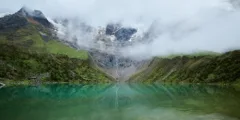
(19, 64)
(24, 54)
(57, 47)
(201, 69)
(30, 37)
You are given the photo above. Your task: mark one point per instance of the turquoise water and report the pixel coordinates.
(119, 102)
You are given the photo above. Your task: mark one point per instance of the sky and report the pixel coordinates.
(182, 26)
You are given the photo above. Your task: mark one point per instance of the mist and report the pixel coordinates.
(180, 26)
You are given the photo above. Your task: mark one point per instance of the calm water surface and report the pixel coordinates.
(120, 102)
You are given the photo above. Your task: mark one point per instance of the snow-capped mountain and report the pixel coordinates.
(104, 43)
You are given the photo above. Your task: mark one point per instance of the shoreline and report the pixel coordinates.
(29, 83)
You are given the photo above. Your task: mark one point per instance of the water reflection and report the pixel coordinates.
(119, 102)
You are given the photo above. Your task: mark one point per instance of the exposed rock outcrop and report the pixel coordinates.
(34, 16)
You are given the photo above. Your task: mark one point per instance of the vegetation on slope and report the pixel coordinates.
(194, 54)
(57, 47)
(29, 52)
(36, 37)
(201, 69)
(18, 64)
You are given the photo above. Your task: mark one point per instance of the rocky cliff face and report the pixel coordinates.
(12, 22)
(112, 61)
(105, 44)
(22, 18)
(34, 16)
(121, 33)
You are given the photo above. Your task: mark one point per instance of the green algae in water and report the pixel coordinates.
(119, 102)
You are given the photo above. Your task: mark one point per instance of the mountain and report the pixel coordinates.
(34, 16)
(31, 29)
(30, 51)
(36, 49)
(198, 68)
(104, 45)
(22, 18)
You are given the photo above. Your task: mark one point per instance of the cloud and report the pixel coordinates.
(215, 31)
(128, 11)
(180, 26)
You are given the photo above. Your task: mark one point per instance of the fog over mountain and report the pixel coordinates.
(162, 27)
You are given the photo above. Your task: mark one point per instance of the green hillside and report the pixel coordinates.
(31, 37)
(194, 54)
(31, 54)
(193, 69)
(19, 64)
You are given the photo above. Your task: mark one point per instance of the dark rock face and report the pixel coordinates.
(35, 15)
(124, 34)
(121, 33)
(20, 19)
(43, 21)
(112, 28)
(38, 14)
(12, 22)
(113, 62)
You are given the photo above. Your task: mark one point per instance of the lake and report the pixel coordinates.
(120, 101)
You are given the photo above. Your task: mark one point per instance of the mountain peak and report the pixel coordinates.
(27, 12)
(35, 15)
